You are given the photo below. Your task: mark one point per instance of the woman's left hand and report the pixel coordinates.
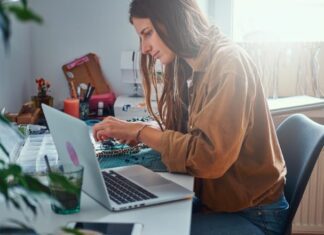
(111, 127)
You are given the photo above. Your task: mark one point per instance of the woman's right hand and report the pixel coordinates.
(123, 131)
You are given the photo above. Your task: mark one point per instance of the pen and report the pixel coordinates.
(47, 164)
(87, 91)
(90, 93)
(83, 88)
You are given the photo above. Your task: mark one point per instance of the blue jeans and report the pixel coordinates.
(266, 219)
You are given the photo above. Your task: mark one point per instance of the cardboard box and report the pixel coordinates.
(28, 114)
(85, 69)
(11, 116)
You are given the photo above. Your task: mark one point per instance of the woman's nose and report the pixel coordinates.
(146, 48)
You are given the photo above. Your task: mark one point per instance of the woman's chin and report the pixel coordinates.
(165, 61)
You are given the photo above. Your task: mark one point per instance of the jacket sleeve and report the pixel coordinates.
(216, 132)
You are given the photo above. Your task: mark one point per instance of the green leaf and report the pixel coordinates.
(14, 170)
(5, 121)
(35, 186)
(24, 3)
(4, 187)
(24, 14)
(4, 25)
(29, 204)
(72, 231)
(2, 162)
(4, 173)
(4, 150)
(62, 181)
(15, 203)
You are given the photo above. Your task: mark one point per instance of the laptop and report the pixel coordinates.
(116, 189)
(28, 151)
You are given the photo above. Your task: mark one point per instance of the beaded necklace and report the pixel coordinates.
(109, 148)
(121, 152)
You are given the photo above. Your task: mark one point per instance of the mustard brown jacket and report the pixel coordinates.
(231, 146)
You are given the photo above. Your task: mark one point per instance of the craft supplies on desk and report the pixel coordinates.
(84, 110)
(146, 157)
(111, 153)
(127, 108)
(29, 152)
(108, 100)
(88, 93)
(91, 122)
(100, 109)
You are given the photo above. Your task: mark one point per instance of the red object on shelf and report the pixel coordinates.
(108, 99)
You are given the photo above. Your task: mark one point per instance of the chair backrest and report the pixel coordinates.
(301, 141)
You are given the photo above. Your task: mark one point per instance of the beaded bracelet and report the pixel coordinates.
(139, 132)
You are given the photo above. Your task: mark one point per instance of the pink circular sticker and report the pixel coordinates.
(73, 155)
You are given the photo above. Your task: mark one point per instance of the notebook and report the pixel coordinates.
(116, 188)
(28, 151)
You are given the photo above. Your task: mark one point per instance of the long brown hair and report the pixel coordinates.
(184, 29)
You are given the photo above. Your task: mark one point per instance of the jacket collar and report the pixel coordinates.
(216, 40)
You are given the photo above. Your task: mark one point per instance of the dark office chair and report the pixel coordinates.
(301, 141)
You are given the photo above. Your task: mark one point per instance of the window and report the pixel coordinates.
(283, 37)
(278, 20)
(203, 4)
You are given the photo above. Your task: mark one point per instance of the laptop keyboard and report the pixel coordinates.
(122, 190)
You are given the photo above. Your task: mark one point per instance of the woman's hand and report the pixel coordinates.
(123, 131)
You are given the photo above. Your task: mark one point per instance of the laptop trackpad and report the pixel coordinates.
(149, 180)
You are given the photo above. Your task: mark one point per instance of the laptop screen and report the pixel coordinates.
(10, 138)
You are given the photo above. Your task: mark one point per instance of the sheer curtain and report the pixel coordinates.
(289, 68)
(285, 39)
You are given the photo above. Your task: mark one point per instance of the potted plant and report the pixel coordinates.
(22, 13)
(11, 175)
(43, 88)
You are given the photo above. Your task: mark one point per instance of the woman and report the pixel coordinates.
(213, 119)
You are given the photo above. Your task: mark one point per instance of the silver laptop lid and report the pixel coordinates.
(72, 139)
(73, 144)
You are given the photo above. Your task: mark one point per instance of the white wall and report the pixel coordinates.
(74, 28)
(71, 29)
(15, 68)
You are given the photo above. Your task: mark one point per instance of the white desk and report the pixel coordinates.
(170, 218)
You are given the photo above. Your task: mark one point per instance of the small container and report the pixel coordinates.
(84, 110)
(100, 108)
